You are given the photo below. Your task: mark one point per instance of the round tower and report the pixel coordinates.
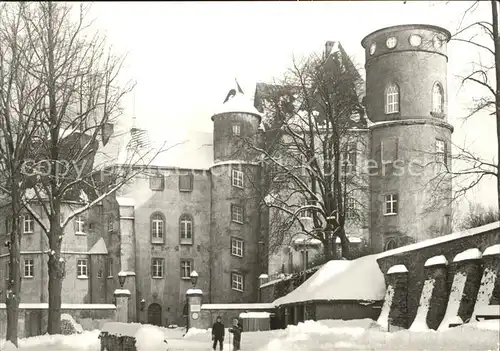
(235, 199)
(406, 98)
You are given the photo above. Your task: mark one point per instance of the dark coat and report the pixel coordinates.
(218, 331)
(237, 332)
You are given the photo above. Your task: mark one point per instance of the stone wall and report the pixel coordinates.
(33, 317)
(273, 290)
(414, 257)
(209, 315)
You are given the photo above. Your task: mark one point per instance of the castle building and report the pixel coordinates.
(197, 207)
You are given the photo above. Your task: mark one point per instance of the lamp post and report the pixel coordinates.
(194, 278)
(122, 276)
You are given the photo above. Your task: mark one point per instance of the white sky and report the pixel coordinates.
(185, 55)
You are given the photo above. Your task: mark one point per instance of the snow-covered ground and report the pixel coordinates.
(323, 335)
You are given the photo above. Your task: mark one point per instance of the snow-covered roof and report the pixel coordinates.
(359, 279)
(99, 248)
(440, 240)
(238, 103)
(194, 291)
(125, 201)
(65, 306)
(257, 315)
(238, 306)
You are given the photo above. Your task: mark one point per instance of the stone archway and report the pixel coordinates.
(154, 314)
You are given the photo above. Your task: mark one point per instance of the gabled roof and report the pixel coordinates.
(99, 248)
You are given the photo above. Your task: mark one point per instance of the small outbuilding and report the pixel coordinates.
(340, 289)
(256, 321)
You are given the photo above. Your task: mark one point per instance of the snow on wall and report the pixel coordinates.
(194, 291)
(149, 338)
(469, 254)
(399, 268)
(485, 290)
(492, 250)
(456, 294)
(420, 321)
(441, 239)
(383, 319)
(435, 261)
(255, 315)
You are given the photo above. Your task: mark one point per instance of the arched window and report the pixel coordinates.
(157, 228)
(392, 99)
(186, 229)
(390, 245)
(437, 99)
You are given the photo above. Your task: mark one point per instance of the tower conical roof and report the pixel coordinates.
(237, 101)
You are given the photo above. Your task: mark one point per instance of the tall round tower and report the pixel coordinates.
(235, 198)
(406, 98)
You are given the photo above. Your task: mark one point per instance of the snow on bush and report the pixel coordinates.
(149, 337)
(69, 325)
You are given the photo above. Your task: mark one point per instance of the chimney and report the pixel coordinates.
(328, 48)
(106, 132)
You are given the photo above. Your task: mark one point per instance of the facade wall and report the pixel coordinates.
(90, 289)
(168, 291)
(223, 228)
(404, 151)
(414, 69)
(424, 209)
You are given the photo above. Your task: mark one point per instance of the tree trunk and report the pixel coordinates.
(494, 12)
(344, 242)
(56, 267)
(14, 282)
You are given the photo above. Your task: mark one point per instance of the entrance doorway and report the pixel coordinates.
(154, 314)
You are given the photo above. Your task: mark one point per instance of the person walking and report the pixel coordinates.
(236, 330)
(218, 333)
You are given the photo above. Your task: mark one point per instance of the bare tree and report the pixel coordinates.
(483, 35)
(77, 103)
(478, 216)
(20, 95)
(314, 112)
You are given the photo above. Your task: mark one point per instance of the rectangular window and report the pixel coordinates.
(391, 204)
(157, 267)
(110, 267)
(81, 268)
(157, 182)
(110, 223)
(186, 230)
(350, 159)
(237, 247)
(237, 178)
(79, 225)
(99, 273)
(28, 224)
(236, 129)
(28, 268)
(157, 230)
(440, 151)
(237, 281)
(237, 214)
(186, 182)
(186, 269)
